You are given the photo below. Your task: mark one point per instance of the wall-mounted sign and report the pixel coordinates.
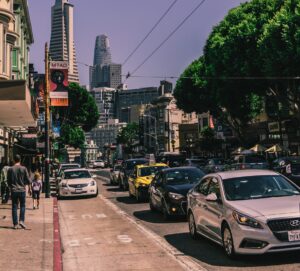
(59, 83)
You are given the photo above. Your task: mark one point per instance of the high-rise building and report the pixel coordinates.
(62, 46)
(104, 73)
(102, 54)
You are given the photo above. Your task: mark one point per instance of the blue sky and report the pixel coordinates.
(126, 22)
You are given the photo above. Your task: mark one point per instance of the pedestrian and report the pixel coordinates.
(36, 188)
(18, 179)
(3, 184)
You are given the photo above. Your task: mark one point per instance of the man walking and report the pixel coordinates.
(18, 178)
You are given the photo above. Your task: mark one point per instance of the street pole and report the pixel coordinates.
(47, 124)
(169, 143)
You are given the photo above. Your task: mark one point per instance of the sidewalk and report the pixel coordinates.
(30, 249)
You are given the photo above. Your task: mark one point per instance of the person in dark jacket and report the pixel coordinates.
(18, 179)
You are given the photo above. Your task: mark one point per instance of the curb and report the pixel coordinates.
(57, 255)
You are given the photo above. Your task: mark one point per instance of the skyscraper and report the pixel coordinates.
(62, 46)
(102, 54)
(104, 73)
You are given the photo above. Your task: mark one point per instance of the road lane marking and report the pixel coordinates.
(46, 241)
(90, 243)
(74, 243)
(101, 215)
(124, 238)
(86, 216)
(186, 261)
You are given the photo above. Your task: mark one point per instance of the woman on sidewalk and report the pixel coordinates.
(36, 188)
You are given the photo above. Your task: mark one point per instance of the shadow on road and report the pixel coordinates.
(202, 250)
(115, 189)
(156, 217)
(127, 199)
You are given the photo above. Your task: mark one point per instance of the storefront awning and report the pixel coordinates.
(15, 104)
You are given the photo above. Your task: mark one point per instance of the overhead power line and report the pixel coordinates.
(149, 33)
(167, 38)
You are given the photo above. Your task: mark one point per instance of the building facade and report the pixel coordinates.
(15, 99)
(104, 98)
(106, 134)
(125, 99)
(62, 44)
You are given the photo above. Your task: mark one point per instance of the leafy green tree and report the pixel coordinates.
(128, 136)
(81, 116)
(279, 47)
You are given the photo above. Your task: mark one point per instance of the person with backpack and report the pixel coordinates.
(36, 188)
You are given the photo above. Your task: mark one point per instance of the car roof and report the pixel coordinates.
(245, 173)
(75, 169)
(178, 168)
(152, 165)
(69, 164)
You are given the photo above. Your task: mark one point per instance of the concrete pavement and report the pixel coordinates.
(97, 237)
(30, 249)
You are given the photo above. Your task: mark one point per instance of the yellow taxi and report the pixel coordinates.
(141, 178)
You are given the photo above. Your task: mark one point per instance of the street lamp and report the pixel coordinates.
(155, 131)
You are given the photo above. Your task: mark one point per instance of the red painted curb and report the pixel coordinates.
(57, 255)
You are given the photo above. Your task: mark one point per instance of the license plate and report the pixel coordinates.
(294, 236)
(78, 190)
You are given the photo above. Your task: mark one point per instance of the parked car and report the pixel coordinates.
(193, 162)
(169, 188)
(61, 170)
(77, 182)
(214, 165)
(246, 211)
(288, 166)
(99, 164)
(141, 178)
(250, 161)
(172, 159)
(114, 174)
(127, 170)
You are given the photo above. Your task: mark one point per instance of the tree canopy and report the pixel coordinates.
(254, 41)
(128, 136)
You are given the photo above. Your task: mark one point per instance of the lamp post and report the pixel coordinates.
(155, 131)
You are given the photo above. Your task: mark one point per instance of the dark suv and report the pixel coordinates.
(127, 170)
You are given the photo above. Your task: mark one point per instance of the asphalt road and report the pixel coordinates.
(204, 252)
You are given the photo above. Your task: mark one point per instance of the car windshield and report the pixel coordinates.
(183, 176)
(77, 174)
(65, 167)
(218, 161)
(147, 171)
(255, 159)
(257, 187)
(131, 164)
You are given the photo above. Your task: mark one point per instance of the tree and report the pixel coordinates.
(128, 136)
(81, 116)
(279, 47)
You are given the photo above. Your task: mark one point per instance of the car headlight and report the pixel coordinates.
(175, 196)
(64, 185)
(92, 183)
(246, 220)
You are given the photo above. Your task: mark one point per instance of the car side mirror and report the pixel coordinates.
(212, 197)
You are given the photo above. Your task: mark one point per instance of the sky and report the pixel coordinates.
(126, 22)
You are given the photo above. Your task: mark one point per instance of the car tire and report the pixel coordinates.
(152, 208)
(192, 226)
(165, 212)
(227, 241)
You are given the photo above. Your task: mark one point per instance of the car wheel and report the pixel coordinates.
(192, 226)
(165, 212)
(228, 242)
(130, 195)
(152, 208)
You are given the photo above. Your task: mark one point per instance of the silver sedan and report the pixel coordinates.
(246, 211)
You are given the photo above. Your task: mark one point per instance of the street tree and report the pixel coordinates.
(279, 47)
(81, 116)
(128, 136)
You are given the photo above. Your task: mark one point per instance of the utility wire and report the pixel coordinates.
(166, 39)
(149, 33)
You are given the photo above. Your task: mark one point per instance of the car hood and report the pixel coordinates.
(181, 189)
(145, 179)
(78, 181)
(268, 207)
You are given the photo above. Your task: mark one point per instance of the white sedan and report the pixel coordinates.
(77, 182)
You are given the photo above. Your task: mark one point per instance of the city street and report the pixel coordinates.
(205, 253)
